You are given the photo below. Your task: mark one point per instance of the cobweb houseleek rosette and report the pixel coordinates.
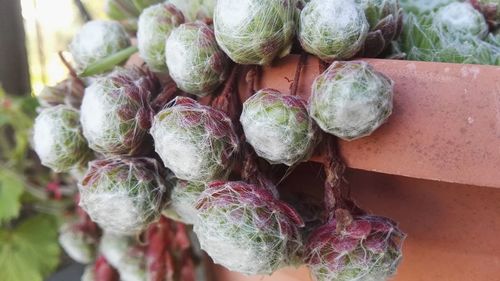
(245, 229)
(460, 19)
(196, 142)
(351, 100)
(364, 248)
(490, 10)
(279, 127)
(124, 195)
(126, 254)
(196, 10)
(255, 32)
(58, 139)
(333, 29)
(116, 111)
(96, 41)
(78, 243)
(195, 62)
(68, 92)
(385, 18)
(154, 27)
(182, 205)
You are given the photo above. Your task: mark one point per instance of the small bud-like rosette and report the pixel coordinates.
(386, 23)
(79, 244)
(58, 139)
(69, 92)
(154, 27)
(279, 127)
(195, 62)
(196, 142)
(196, 10)
(369, 248)
(125, 254)
(97, 40)
(116, 112)
(255, 32)
(182, 206)
(124, 195)
(333, 29)
(490, 10)
(245, 229)
(460, 19)
(351, 100)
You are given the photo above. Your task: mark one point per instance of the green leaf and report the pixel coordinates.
(30, 252)
(109, 62)
(11, 189)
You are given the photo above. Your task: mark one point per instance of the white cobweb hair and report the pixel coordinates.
(124, 195)
(96, 40)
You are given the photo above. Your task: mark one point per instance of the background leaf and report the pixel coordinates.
(11, 189)
(30, 252)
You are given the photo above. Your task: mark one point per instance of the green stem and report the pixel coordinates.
(109, 62)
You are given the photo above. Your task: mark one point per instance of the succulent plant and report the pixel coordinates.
(124, 195)
(386, 24)
(432, 38)
(126, 255)
(78, 243)
(365, 248)
(116, 112)
(127, 11)
(195, 62)
(255, 32)
(460, 18)
(58, 139)
(351, 99)
(194, 10)
(490, 9)
(333, 29)
(183, 200)
(196, 142)
(279, 127)
(69, 92)
(154, 27)
(244, 228)
(97, 40)
(419, 7)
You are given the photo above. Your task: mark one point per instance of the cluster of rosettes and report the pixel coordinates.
(124, 195)
(196, 142)
(154, 27)
(195, 62)
(255, 32)
(333, 29)
(182, 206)
(279, 127)
(116, 111)
(244, 228)
(385, 18)
(455, 32)
(58, 139)
(351, 100)
(97, 40)
(367, 248)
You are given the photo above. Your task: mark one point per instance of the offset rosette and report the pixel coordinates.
(366, 248)
(116, 111)
(124, 195)
(154, 27)
(333, 29)
(58, 139)
(279, 127)
(255, 32)
(244, 228)
(196, 142)
(351, 100)
(195, 62)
